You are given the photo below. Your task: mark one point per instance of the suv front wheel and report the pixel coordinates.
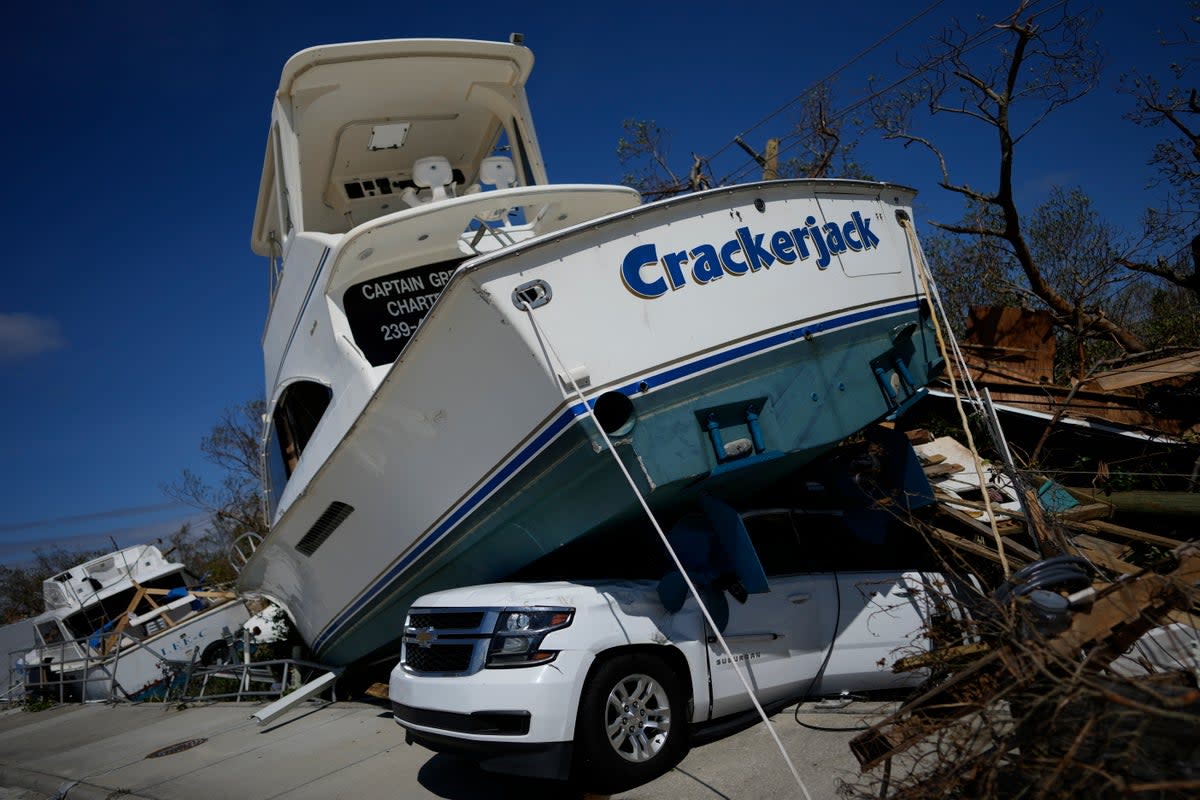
(632, 724)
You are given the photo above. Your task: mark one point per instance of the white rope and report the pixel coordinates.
(545, 342)
(955, 361)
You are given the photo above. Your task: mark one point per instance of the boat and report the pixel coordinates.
(444, 322)
(123, 625)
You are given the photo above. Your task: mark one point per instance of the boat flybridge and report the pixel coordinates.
(444, 321)
(388, 164)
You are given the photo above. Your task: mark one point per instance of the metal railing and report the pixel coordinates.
(72, 671)
(64, 673)
(280, 676)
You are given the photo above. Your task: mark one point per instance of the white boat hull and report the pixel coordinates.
(474, 456)
(136, 669)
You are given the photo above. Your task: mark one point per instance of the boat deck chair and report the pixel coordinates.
(501, 173)
(432, 173)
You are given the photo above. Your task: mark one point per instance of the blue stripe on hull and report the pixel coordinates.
(696, 379)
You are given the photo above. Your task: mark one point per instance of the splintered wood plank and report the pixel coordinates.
(1085, 512)
(1095, 550)
(985, 531)
(1147, 372)
(1112, 529)
(967, 546)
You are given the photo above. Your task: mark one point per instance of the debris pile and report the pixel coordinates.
(1076, 671)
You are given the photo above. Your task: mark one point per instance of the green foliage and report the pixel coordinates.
(1078, 256)
(35, 704)
(205, 552)
(1173, 319)
(973, 270)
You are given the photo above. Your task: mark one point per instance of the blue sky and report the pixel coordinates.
(131, 306)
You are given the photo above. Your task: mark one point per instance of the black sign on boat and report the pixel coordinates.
(384, 312)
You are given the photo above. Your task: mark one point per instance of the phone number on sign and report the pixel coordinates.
(397, 330)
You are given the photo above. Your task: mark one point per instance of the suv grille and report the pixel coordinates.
(458, 620)
(439, 657)
(453, 641)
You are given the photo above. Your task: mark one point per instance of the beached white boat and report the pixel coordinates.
(120, 626)
(439, 309)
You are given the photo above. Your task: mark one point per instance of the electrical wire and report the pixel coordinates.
(954, 359)
(798, 138)
(813, 87)
(983, 35)
(837, 621)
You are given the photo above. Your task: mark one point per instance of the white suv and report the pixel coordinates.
(598, 681)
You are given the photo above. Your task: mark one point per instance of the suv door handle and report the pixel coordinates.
(800, 597)
(745, 638)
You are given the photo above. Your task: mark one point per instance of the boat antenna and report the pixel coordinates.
(124, 561)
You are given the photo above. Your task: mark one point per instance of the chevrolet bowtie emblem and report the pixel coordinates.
(425, 636)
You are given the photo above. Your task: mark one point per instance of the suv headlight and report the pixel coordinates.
(517, 640)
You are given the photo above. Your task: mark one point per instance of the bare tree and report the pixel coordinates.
(816, 147)
(645, 151)
(234, 505)
(819, 136)
(1170, 244)
(1041, 65)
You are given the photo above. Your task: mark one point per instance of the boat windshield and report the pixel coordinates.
(93, 617)
(49, 632)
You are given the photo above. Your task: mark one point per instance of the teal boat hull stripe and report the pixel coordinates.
(573, 412)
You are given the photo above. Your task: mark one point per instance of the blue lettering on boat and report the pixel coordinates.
(649, 275)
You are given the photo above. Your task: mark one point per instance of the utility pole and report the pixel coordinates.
(771, 167)
(769, 162)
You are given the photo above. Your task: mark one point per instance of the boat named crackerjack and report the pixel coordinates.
(443, 317)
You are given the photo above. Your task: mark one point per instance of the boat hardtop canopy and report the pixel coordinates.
(101, 577)
(356, 125)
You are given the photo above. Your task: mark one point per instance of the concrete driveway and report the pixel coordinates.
(356, 751)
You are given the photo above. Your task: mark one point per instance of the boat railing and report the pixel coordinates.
(481, 222)
(248, 680)
(61, 675)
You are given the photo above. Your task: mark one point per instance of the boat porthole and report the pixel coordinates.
(614, 412)
(759, 205)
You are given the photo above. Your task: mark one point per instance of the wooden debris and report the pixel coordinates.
(1146, 372)
(1121, 613)
(942, 469)
(378, 691)
(974, 548)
